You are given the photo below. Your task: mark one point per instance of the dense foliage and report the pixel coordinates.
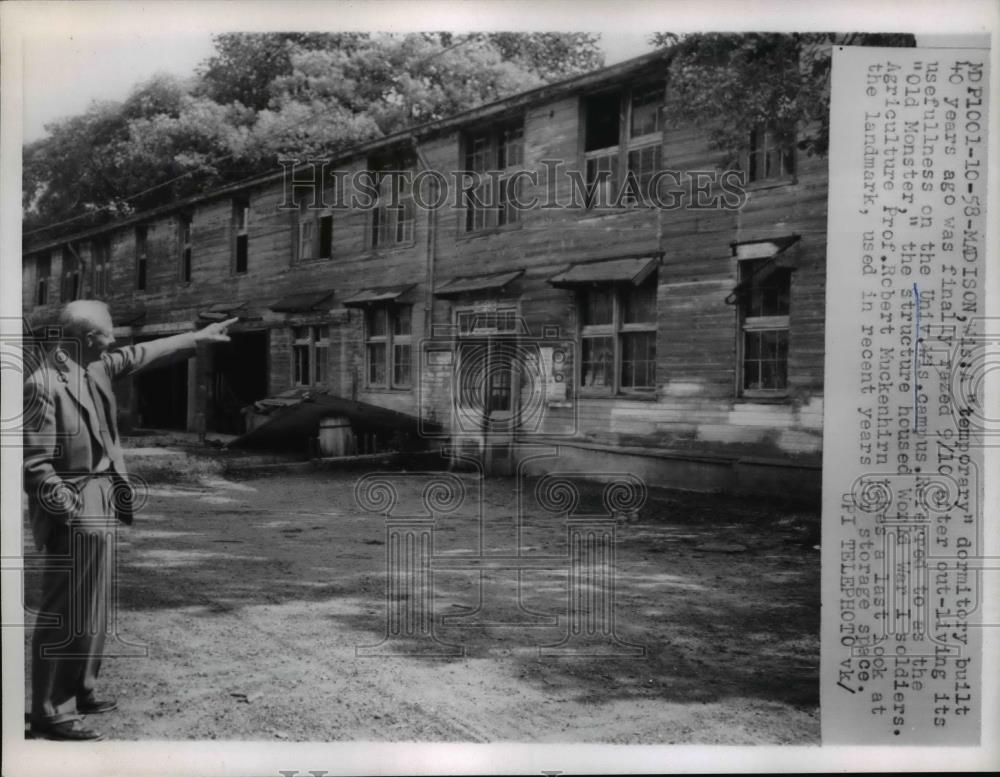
(729, 82)
(270, 95)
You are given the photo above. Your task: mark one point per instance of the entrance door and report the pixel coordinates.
(486, 400)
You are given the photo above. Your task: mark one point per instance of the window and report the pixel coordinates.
(768, 159)
(241, 231)
(70, 274)
(634, 115)
(498, 150)
(100, 258)
(388, 346)
(310, 350)
(764, 323)
(185, 240)
(618, 338)
(394, 215)
(315, 234)
(140, 257)
(43, 271)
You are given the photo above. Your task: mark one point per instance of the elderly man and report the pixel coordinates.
(77, 487)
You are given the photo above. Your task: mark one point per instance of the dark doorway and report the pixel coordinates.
(239, 378)
(161, 396)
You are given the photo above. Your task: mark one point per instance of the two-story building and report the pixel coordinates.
(681, 341)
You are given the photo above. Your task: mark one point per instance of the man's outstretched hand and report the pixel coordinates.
(215, 333)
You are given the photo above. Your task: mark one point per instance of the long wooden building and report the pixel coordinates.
(683, 344)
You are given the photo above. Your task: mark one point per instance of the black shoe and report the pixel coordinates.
(66, 731)
(92, 706)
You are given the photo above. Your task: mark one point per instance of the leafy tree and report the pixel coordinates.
(264, 96)
(727, 83)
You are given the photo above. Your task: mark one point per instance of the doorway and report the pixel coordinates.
(238, 378)
(161, 400)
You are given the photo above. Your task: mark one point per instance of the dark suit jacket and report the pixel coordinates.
(61, 422)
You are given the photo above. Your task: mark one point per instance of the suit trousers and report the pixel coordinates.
(72, 622)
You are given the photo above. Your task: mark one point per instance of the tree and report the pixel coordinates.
(727, 82)
(265, 96)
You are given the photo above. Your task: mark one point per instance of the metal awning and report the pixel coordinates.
(301, 303)
(632, 270)
(470, 283)
(773, 250)
(378, 294)
(221, 311)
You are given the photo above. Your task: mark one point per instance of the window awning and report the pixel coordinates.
(632, 270)
(470, 283)
(221, 311)
(378, 294)
(773, 250)
(301, 303)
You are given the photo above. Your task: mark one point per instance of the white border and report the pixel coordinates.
(19, 19)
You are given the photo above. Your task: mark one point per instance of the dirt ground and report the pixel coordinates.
(253, 594)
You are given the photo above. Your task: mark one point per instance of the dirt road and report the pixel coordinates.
(251, 598)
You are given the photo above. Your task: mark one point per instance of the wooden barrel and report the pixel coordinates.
(335, 438)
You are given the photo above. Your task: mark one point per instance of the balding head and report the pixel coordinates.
(87, 322)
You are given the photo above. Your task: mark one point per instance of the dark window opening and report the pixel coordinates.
(623, 132)
(43, 271)
(241, 223)
(100, 259)
(768, 158)
(394, 215)
(325, 237)
(186, 233)
(71, 280)
(602, 121)
(141, 261)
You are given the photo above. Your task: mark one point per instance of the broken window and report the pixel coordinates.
(388, 346)
(393, 218)
(71, 281)
(764, 309)
(310, 352)
(100, 258)
(141, 262)
(618, 337)
(768, 158)
(622, 131)
(241, 234)
(185, 232)
(315, 234)
(499, 150)
(43, 271)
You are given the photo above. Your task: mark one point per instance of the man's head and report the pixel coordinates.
(87, 322)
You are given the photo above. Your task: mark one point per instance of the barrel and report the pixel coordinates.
(335, 438)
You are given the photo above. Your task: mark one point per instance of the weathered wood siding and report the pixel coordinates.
(696, 406)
